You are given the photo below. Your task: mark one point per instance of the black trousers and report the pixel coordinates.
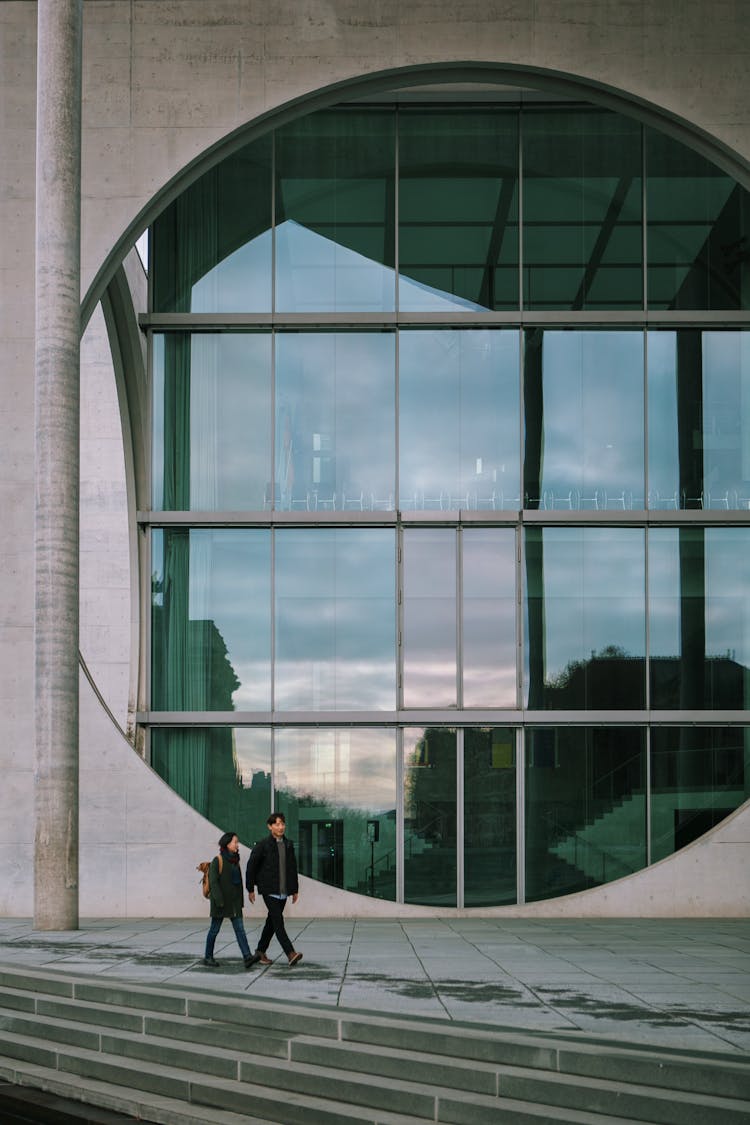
(275, 925)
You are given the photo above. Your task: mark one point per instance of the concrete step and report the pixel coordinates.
(334, 1067)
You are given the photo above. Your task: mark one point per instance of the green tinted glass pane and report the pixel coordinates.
(335, 421)
(211, 248)
(211, 620)
(458, 209)
(223, 772)
(212, 421)
(489, 816)
(583, 399)
(335, 598)
(699, 775)
(699, 419)
(585, 808)
(698, 224)
(582, 232)
(335, 213)
(430, 841)
(699, 617)
(488, 622)
(585, 618)
(467, 456)
(337, 789)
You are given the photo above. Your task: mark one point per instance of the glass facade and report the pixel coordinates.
(451, 497)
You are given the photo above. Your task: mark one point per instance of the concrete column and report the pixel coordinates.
(57, 371)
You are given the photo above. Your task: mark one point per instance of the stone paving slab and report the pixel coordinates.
(675, 983)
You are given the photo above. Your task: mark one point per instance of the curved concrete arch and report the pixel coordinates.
(555, 82)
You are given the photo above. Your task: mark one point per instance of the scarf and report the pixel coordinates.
(233, 859)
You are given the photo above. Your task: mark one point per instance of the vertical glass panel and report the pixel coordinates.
(211, 620)
(458, 419)
(585, 807)
(699, 617)
(585, 618)
(458, 209)
(223, 772)
(582, 230)
(699, 775)
(212, 421)
(429, 617)
(489, 816)
(335, 421)
(337, 789)
(430, 842)
(335, 213)
(699, 419)
(212, 246)
(697, 230)
(335, 619)
(489, 617)
(583, 399)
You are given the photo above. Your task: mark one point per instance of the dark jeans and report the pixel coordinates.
(239, 933)
(275, 925)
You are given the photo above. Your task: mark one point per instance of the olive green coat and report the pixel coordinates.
(226, 897)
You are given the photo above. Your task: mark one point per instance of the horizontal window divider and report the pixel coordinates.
(451, 518)
(604, 318)
(487, 717)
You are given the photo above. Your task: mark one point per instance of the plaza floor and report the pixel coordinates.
(675, 983)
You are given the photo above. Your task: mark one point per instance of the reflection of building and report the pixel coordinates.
(427, 390)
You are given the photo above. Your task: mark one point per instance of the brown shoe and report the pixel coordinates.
(294, 958)
(262, 959)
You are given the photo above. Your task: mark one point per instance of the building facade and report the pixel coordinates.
(415, 492)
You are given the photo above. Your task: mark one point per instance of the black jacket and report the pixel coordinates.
(263, 868)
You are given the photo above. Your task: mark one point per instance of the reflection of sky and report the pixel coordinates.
(347, 769)
(241, 282)
(593, 411)
(458, 411)
(594, 593)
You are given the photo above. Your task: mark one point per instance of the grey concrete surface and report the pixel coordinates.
(676, 983)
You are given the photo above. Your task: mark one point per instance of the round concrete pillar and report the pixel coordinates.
(57, 372)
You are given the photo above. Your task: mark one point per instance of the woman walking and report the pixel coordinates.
(225, 886)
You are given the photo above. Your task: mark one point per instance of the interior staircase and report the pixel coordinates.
(193, 1057)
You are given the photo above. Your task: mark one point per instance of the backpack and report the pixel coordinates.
(204, 868)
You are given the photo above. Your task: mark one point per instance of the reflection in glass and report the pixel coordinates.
(335, 213)
(697, 231)
(335, 619)
(583, 399)
(585, 807)
(222, 772)
(335, 421)
(458, 419)
(489, 816)
(489, 617)
(458, 209)
(699, 617)
(585, 618)
(430, 856)
(699, 419)
(337, 789)
(212, 246)
(699, 775)
(582, 231)
(211, 620)
(212, 415)
(429, 617)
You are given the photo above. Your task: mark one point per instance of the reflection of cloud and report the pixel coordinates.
(340, 769)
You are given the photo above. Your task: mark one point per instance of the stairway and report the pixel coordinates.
(192, 1057)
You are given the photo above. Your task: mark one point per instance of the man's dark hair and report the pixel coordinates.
(274, 817)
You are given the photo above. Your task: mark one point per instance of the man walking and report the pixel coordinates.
(272, 867)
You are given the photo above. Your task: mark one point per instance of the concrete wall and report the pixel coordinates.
(164, 80)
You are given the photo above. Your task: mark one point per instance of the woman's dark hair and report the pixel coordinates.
(274, 817)
(226, 839)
